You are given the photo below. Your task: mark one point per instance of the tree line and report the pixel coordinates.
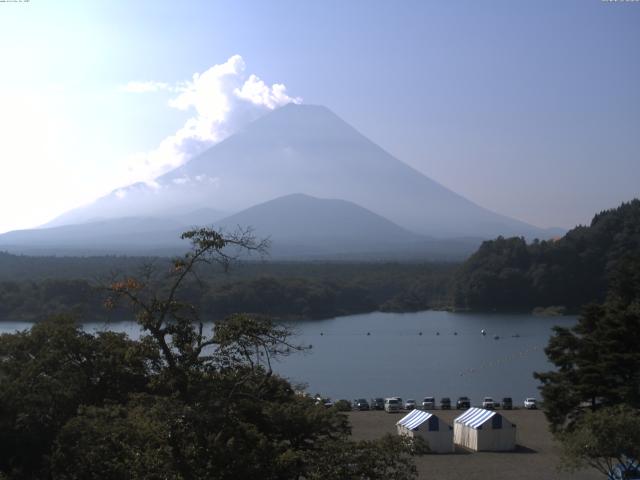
(510, 274)
(281, 291)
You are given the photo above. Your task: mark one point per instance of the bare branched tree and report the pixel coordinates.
(176, 325)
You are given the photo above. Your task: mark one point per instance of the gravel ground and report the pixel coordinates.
(536, 456)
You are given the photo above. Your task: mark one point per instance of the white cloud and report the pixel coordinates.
(257, 92)
(223, 99)
(144, 87)
(181, 180)
(215, 181)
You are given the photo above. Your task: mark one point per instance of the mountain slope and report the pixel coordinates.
(131, 235)
(301, 224)
(301, 216)
(301, 148)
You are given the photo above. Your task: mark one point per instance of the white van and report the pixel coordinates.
(392, 405)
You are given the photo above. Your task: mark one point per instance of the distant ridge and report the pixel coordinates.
(299, 227)
(128, 235)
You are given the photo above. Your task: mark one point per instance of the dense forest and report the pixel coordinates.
(509, 274)
(32, 288)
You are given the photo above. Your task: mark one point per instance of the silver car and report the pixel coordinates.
(488, 403)
(410, 404)
(392, 405)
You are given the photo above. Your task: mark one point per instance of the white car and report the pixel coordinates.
(410, 404)
(530, 403)
(488, 403)
(392, 405)
(429, 403)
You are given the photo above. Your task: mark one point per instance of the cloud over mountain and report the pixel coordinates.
(223, 99)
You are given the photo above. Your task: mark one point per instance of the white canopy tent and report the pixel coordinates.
(437, 434)
(479, 429)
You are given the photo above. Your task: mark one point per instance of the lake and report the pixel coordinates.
(383, 354)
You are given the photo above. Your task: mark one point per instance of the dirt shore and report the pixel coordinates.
(536, 457)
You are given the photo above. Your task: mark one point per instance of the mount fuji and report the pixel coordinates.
(294, 149)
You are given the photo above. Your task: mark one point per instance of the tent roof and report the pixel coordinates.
(475, 417)
(414, 419)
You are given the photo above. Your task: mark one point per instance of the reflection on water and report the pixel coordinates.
(411, 355)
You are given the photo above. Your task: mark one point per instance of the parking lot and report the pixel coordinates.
(536, 457)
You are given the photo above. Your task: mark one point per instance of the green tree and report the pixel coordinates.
(593, 398)
(603, 440)
(388, 457)
(115, 442)
(47, 373)
(236, 418)
(597, 361)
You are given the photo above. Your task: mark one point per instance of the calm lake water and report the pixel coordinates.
(450, 358)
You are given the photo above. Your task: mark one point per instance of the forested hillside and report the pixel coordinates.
(508, 273)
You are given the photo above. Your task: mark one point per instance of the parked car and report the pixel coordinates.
(360, 404)
(410, 404)
(463, 403)
(445, 403)
(429, 403)
(377, 404)
(392, 405)
(399, 402)
(488, 403)
(507, 403)
(324, 401)
(530, 403)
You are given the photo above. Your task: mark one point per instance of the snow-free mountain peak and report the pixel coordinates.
(302, 218)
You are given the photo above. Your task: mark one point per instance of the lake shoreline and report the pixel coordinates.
(537, 311)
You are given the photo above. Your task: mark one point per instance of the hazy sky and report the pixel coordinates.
(529, 108)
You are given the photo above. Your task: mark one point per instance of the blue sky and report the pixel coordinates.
(529, 108)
